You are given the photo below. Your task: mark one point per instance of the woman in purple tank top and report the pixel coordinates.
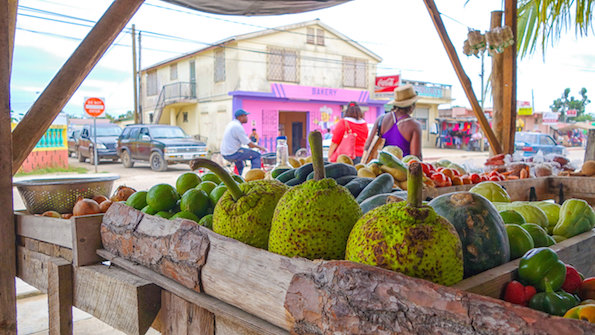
(397, 127)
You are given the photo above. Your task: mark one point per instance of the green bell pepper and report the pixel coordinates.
(553, 303)
(541, 268)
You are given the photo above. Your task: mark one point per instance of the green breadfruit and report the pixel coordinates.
(249, 218)
(313, 220)
(414, 241)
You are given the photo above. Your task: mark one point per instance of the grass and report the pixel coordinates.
(49, 170)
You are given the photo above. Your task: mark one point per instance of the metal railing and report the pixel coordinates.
(172, 93)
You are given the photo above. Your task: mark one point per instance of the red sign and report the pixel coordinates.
(387, 83)
(94, 106)
(571, 113)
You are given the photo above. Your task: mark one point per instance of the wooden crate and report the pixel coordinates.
(315, 297)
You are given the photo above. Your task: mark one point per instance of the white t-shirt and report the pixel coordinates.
(234, 137)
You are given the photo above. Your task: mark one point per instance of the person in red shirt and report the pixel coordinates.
(353, 119)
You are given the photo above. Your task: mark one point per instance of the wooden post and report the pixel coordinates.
(180, 317)
(8, 313)
(60, 296)
(590, 151)
(463, 79)
(509, 80)
(49, 104)
(496, 79)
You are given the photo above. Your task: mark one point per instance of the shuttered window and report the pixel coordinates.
(282, 65)
(219, 65)
(354, 72)
(152, 85)
(173, 72)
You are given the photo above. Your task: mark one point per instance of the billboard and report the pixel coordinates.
(387, 83)
(524, 108)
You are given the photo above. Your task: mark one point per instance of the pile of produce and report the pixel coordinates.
(546, 284)
(95, 205)
(517, 166)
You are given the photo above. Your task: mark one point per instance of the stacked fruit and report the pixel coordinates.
(546, 284)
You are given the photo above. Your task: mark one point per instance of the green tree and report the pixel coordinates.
(542, 22)
(565, 103)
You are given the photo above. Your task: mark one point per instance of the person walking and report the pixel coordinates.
(234, 137)
(398, 127)
(353, 122)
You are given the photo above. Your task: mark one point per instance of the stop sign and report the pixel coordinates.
(94, 106)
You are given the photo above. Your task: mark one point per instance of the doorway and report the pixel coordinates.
(294, 125)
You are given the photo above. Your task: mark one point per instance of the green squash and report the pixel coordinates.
(512, 216)
(492, 191)
(552, 212)
(520, 240)
(480, 228)
(528, 210)
(576, 217)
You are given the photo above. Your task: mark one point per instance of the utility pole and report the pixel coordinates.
(140, 81)
(134, 75)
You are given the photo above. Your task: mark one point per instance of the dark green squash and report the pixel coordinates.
(480, 228)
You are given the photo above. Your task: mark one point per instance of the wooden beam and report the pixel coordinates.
(180, 317)
(60, 296)
(509, 78)
(463, 79)
(215, 306)
(49, 104)
(590, 151)
(8, 313)
(497, 82)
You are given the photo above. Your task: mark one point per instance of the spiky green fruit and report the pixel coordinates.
(313, 220)
(412, 240)
(249, 218)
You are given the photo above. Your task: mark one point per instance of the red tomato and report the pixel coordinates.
(493, 173)
(456, 172)
(494, 178)
(466, 180)
(426, 168)
(439, 179)
(484, 178)
(456, 180)
(475, 178)
(448, 172)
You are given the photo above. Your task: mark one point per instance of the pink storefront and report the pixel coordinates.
(294, 110)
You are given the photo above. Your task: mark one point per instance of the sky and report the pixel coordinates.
(400, 32)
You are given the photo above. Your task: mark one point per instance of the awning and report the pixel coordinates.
(571, 126)
(256, 7)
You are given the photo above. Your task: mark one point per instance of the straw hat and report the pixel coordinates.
(405, 96)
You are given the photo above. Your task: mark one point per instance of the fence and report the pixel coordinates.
(50, 151)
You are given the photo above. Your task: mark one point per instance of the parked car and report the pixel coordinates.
(107, 135)
(73, 135)
(530, 143)
(159, 145)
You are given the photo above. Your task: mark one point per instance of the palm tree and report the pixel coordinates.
(543, 21)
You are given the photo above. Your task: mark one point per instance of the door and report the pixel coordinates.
(143, 144)
(297, 131)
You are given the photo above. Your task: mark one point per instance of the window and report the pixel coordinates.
(152, 86)
(354, 72)
(546, 140)
(185, 116)
(282, 65)
(219, 65)
(173, 72)
(315, 36)
(134, 133)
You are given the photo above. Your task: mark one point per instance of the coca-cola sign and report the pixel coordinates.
(387, 83)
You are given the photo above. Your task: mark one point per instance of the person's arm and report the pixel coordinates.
(254, 145)
(332, 149)
(338, 133)
(372, 133)
(415, 143)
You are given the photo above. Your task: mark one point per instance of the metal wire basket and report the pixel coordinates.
(40, 195)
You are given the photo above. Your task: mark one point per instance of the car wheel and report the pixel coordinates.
(157, 162)
(80, 156)
(126, 161)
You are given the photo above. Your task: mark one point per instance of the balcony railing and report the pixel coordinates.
(172, 93)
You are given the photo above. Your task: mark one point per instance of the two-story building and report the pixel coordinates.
(291, 79)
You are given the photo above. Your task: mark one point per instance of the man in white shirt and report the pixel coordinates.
(234, 137)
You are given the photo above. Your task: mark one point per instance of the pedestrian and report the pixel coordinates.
(398, 127)
(352, 123)
(234, 137)
(254, 136)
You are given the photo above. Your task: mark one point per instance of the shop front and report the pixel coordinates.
(294, 110)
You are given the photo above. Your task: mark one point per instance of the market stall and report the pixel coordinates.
(204, 282)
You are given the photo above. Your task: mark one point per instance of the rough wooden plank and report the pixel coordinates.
(496, 80)
(86, 239)
(180, 317)
(60, 296)
(235, 271)
(590, 150)
(577, 251)
(211, 304)
(176, 249)
(51, 101)
(341, 297)
(463, 79)
(43, 228)
(509, 78)
(117, 297)
(32, 268)
(8, 313)
(224, 326)
(573, 187)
